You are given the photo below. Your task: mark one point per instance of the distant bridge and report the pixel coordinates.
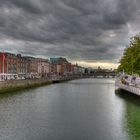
(103, 74)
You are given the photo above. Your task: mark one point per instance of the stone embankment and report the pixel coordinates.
(16, 85)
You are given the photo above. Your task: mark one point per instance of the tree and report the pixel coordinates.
(130, 61)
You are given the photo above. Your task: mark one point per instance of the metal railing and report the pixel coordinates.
(130, 88)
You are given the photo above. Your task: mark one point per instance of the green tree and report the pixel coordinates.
(130, 61)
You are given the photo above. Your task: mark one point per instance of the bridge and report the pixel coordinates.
(103, 74)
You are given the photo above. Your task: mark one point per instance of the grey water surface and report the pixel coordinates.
(85, 109)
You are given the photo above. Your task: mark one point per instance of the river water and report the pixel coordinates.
(85, 109)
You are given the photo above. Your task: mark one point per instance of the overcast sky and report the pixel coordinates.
(89, 32)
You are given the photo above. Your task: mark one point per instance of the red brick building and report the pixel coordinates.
(8, 63)
(32, 67)
(21, 66)
(60, 66)
(11, 63)
(3, 63)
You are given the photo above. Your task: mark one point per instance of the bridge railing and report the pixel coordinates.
(130, 88)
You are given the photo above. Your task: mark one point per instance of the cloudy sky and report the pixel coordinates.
(89, 32)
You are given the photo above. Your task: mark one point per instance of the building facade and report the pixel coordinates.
(21, 66)
(11, 63)
(59, 66)
(32, 67)
(3, 63)
(43, 67)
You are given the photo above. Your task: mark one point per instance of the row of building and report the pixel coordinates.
(17, 66)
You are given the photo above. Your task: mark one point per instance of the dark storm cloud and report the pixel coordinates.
(87, 30)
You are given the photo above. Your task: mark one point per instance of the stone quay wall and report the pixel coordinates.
(15, 85)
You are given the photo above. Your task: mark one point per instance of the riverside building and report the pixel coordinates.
(14, 66)
(43, 67)
(60, 66)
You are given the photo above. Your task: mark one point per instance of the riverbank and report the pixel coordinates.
(17, 85)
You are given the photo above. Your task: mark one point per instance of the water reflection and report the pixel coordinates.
(132, 113)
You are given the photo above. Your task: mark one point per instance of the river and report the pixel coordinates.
(85, 109)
